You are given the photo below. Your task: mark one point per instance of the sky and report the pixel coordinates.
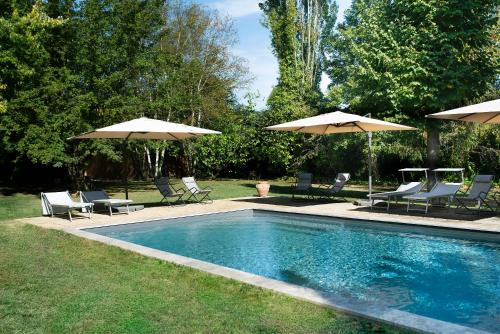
(254, 43)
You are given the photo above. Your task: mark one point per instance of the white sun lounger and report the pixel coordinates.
(440, 190)
(405, 189)
(56, 203)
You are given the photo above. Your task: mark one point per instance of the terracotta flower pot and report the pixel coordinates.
(263, 188)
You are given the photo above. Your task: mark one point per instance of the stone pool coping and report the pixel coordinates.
(340, 210)
(344, 210)
(350, 306)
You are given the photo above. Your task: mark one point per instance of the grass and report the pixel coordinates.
(21, 204)
(52, 282)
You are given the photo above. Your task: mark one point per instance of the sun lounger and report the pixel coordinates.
(56, 203)
(196, 192)
(168, 191)
(101, 197)
(303, 185)
(404, 189)
(440, 190)
(329, 191)
(476, 194)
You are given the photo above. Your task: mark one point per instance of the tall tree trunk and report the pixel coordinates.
(432, 129)
(157, 162)
(148, 160)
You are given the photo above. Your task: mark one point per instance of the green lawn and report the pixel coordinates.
(52, 282)
(15, 204)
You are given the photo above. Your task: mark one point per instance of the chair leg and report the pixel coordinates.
(110, 210)
(190, 196)
(69, 213)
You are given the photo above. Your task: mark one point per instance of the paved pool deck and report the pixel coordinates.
(437, 217)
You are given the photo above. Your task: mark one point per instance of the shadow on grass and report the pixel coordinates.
(287, 190)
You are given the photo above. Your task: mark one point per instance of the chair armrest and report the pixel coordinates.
(176, 189)
(191, 189)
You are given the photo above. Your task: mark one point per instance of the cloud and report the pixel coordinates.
(236, 8)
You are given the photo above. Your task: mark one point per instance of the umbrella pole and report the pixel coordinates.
(125, 160)
(369, 158)
(370, 163)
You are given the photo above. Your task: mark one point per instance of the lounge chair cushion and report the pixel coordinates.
(304, 181)
(439, 190)
(193, 187)
(404, 189)
(60, 202)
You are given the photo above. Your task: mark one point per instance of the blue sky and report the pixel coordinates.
(254, 42)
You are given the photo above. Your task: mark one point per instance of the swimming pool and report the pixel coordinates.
(452, 276)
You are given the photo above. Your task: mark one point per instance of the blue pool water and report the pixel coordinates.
(446, 275)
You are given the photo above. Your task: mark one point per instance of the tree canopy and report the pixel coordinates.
(68, 66)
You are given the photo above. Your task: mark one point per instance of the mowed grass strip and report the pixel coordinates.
(52, 282)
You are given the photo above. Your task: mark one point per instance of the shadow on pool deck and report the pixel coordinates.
(434, 212)
(395, 210)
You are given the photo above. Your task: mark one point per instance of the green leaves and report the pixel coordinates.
(414, 56)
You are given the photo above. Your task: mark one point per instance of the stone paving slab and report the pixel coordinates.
(436, 218)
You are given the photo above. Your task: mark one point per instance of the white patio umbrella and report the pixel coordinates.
(145, 128)
(486, 112)
(341, 122)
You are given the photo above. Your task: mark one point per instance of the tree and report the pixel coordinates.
(298, 29)
(408, 58)
(189, 75)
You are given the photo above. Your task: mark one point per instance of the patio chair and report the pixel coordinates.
(196, 192)
(405, 189)
(302, 185)
(476, 194)
(101, 198)
(168, 191)
(57, 203)
(330, 191)
(494, 200)
(438, 191)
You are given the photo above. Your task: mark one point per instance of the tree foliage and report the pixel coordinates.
(68, 67)
(298, 29)
(406, 59)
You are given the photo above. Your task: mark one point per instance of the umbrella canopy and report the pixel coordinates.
(338, 122)
(147, 128)
(486, 112)
(341, 122)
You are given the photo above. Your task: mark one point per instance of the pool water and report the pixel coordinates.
(447, 275)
